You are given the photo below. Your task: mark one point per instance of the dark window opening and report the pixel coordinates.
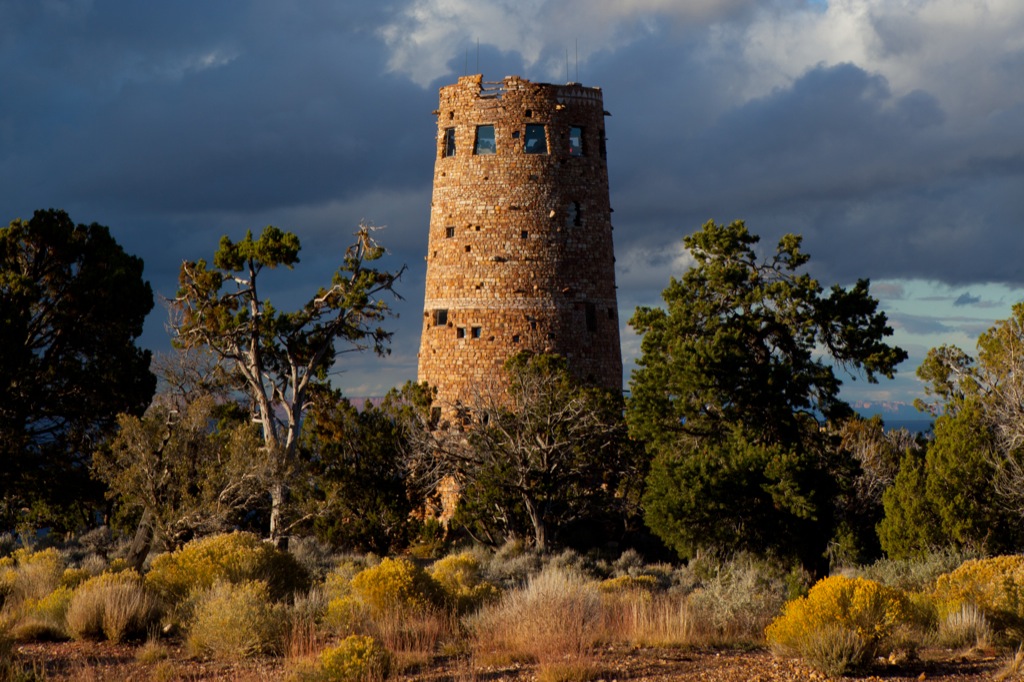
(484, 140)
(536, 142)
(460, 332)
(533, 324)
(575, 141)
(440, 316)
(611, 313)
(515, 338)
(591, 311)
(449, 141)
(449, 232)
(574, 214)
(529, 113)
(451, 115)
(476, 332)
(515, 134)
(602, 147)
(467, 248)
(524, 234)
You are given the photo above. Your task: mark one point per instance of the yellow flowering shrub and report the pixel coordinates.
(41, 618)
(396, 585)
(236, 620)
(234, 558)
(73, 577)
(459, 577)
(356, 658)
(629, 583)
(31, 575)
(996, 586)
(346, 614)
(864, 607)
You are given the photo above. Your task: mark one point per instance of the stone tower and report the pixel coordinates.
(520, 248)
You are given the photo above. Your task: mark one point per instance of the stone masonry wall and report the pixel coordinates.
(520, 248)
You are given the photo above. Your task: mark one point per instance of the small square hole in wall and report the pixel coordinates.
(551, 336)
(477, 228)
(449, 232)
(533, 324)
(524, 234)
(529, 113)
(515, 338)
(460, 332)
(467, 248)
(476, 332)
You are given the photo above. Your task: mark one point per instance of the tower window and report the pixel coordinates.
(449, 141)
(575, 141)
(460, 332)
(449, 232)
(591, 311)
(524, 234)
(440, 316)
(536, 142)
(602, 147)
(573, 214)
(475, 332)
(484, 140)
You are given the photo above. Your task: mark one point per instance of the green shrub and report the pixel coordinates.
(233, 558)
(867, 609)
(459, 575)
(356, 658)
(996, 586)
(397, 585)
(236, 620)
(115, 606)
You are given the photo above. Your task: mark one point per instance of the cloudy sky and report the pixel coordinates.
(889, 133)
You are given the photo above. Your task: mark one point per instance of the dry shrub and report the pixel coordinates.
(836, 650)
(152, 652)
(233, 558)
(555, 619)
(965, 627)
(816, 623)
(357, 658)
(236, 620)
(115, 606)
(735, 600)
(413, 636)
(1013, 668)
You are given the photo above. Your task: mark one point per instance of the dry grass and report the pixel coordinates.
(114, 606)
(965, 628)
(640, 618)
(1013, 669)
(554, 620)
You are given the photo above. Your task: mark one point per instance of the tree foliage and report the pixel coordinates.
(277, 355)
(547, 454)
(972, 476)
(735, 373)
(185, 468)
(358, 478)
(72, 306)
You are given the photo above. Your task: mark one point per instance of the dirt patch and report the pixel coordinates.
(108, 662)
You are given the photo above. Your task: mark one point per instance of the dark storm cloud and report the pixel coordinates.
(965, 299)
(175, 123)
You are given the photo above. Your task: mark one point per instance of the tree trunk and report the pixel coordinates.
(540, 529)
(142, 542)
(278, 499)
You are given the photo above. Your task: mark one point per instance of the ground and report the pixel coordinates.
(108, 662)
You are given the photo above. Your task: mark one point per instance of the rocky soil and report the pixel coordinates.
(107, 662)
